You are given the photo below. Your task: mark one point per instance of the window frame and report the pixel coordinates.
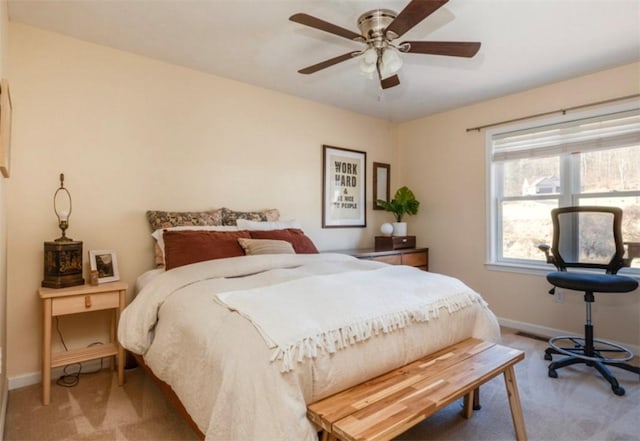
(569, 174)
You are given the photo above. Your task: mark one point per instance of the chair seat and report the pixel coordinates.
(592, 282)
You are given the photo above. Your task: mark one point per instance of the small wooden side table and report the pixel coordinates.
(76, 300)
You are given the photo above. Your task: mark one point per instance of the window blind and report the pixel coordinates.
(615, 130)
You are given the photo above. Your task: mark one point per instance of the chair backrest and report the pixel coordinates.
(588, 237)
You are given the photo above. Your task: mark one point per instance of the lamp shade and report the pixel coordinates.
(370, 56)
(368, 62)
(367, 69)
(391, 62)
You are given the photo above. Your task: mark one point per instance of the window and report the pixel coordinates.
(584, 160)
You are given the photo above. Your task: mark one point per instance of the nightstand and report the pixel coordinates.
(76, 300)
(418, 257)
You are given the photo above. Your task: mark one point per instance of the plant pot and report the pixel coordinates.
(399, 228)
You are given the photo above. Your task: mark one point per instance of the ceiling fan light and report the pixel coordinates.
(367, 68)
(370, 56)
(391, 62)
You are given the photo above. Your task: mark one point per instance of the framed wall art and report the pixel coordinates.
(344, 192)
(106, 264)
(5, 128)
(381, 179)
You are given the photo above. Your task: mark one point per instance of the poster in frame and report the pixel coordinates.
(105, 263)
(344, 192)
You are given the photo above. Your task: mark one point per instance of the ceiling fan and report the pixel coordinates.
(378, 30)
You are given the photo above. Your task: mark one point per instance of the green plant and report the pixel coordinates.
(404, 202)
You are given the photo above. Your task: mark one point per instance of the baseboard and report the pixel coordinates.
(547, 332)
(36, 377)
(88, 366)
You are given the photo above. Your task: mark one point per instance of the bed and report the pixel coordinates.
(247, 341)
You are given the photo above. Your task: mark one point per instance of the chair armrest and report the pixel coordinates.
(632, 252)
(545, 248)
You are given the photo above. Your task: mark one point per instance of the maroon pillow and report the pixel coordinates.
(301, 243)
(185, 247)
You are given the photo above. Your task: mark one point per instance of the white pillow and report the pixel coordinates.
(157, 235)
(244, 224)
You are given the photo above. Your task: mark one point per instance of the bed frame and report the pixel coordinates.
(170, 394)
(175, 401)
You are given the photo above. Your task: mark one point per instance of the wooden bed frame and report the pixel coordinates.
(170, 394)
(175, 401)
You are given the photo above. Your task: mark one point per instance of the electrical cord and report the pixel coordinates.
(71, 379)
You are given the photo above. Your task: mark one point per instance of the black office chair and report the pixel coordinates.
(589, 238)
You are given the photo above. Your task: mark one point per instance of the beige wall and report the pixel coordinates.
(133, 134)
(445, 166)
(3, 221)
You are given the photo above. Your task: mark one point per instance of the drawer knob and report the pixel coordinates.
(404, 240)
(87, 301)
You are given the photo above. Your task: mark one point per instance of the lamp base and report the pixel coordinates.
(62, 264)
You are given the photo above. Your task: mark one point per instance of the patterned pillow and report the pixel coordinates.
(229, 217)
(165, 219)
(244, 224)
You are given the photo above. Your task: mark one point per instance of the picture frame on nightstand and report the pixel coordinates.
(105, 262)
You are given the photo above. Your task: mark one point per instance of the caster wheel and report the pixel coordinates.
(548, 357)
(619, 391)
(553, 373)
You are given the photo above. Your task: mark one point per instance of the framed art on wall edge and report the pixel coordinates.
(105, 263)
(5, 128)
(344, 192)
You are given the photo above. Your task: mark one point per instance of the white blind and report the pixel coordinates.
(602, 132)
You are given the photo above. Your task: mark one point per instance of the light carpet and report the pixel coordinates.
(577, 406)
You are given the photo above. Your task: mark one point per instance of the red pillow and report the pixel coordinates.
(185, 247)
(301, 243)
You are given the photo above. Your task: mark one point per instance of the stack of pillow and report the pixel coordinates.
(188, 237)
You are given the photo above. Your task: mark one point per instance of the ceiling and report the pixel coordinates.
(525, 43)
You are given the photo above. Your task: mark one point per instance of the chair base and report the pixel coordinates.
(584, 352)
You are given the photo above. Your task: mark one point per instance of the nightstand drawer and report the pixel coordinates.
(391, 260)
(415, 259)
(84, 303)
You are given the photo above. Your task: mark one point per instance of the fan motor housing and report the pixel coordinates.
(373, 23)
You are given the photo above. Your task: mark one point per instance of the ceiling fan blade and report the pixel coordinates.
(327, 63)
(314, 22)
(391, 81)
(411, 15)
(451, 48)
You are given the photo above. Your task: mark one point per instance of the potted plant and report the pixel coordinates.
(404, 202)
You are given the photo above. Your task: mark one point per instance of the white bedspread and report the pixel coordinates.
(220, 366)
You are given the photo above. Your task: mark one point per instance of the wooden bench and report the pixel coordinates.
(390, 404)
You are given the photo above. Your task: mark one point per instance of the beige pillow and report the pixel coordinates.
(253, 247)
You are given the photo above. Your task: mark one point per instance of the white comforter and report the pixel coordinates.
(221, 366)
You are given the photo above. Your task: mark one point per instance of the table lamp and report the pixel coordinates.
(62, 256)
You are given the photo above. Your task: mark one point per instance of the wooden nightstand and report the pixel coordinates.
(75, 300)
(418, 257)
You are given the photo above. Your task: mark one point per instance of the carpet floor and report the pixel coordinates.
(577, 406)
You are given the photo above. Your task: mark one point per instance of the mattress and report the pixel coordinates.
(225, 371)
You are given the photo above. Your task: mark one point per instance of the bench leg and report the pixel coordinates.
(514, 404)
(326, 436)
(467, 404)
(476, 399)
